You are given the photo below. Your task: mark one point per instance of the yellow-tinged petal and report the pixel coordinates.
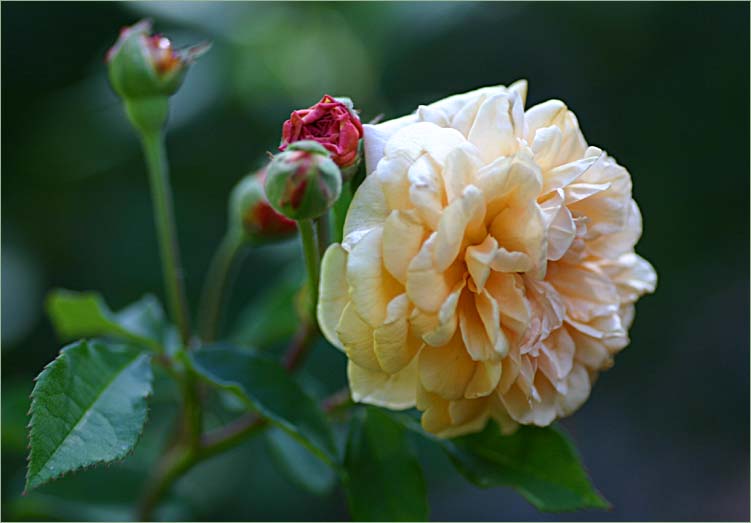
(479, 258)
(448, 419)
(371, 286)
(484, 380)
(395, 391)
(426, 190)
(367, 210)
(467, 415)
(460, 170)
(423, 137)
(565, 174)
(498, 125)
(462, 217)
(402, 239)
(555, 112)
(520, 86)
(505, 261)
(510, 372)
(333, 293)
(357, 338)
(607, 208)
(480, 328)
(487, 308)
(500, 415)
(508, 291)
(427, 287)
(438, 329)
(559, 224)
(394, 346)
(392, 174)
(435, 411)
(578, 387)
(611, 246)
(557, 356)
(546, 146)
(586, 291)
(446, 370)
(521, 229)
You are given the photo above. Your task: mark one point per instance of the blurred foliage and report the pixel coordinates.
(662, 87)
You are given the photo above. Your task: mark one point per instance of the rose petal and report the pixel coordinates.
(462, 217)
(498, 125)
(371, 287)
(446, 370)
(357, 338)
(395, 391)
(394, 346)
(484, 380)
(333, 294)
(402, 239)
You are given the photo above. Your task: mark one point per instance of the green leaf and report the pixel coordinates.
(298, 464)
(267, 388)
(87, 407)
(271, 317)
(384, 480)
(85, 314)
(539, 463)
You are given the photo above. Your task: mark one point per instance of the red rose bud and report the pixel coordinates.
(303, 181)
(145, 69)
(252, 215)
(333, 123)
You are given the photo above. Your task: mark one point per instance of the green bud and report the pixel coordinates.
(251, 215)
(303, 181)
(145, 69)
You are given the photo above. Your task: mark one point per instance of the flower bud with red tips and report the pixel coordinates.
(303, 181)
(145, 69)
(334, 124)
(252, 216)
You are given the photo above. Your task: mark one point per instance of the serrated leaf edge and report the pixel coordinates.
(30, 426)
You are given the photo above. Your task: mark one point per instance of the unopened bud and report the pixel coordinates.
(334, 124)
(251, 214)
(303, 181)
(145, 69)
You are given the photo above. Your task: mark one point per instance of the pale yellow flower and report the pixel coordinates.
(487, 267)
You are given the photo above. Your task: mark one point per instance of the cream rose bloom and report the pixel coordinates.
(487, 267)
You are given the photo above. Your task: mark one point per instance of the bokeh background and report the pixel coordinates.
(664, 87)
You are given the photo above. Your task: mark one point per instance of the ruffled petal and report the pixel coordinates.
(402, 238)
(446, 370)
(498, 125)
(394, 345)
(393, 391)
(462, 218)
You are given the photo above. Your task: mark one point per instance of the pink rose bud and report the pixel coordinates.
(252, 215)
(333, 123)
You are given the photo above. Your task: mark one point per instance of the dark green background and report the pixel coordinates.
(663, 87)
